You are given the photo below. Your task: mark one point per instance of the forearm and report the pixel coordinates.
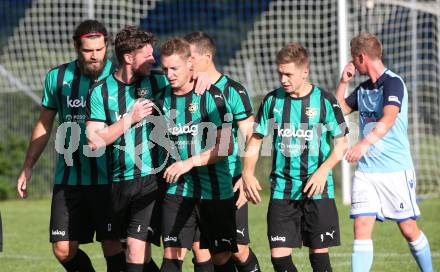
(251, 156)
(378, 132)
(336, 155)
(340, 96)
(105, 136)
(40, 137)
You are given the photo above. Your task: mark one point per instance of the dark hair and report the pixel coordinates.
(89, 27)
(203, 42)
(130, 39)
(293, 53)
(177, 46)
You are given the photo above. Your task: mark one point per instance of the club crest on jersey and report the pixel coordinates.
(141, 92)
(311, 112)
(193, 107)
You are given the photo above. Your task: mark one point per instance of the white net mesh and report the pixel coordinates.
(248, 35)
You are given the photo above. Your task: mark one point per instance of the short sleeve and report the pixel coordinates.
(393, 91)
(239, 102)
(49, 99)
(261, 126)
(334, 118)
(95, 105)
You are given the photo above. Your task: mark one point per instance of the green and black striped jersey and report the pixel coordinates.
(65, 91)
(301, 128)
(240, 106)
(130, 156)
(192, 122)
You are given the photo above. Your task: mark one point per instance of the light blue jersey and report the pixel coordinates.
(392, 152)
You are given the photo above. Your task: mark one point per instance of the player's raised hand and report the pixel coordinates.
(140, 110)
(23, 179)
(203, 82)
(316, 183)
(177, 169)
(251, 187)
(241, 195)
(348, 73)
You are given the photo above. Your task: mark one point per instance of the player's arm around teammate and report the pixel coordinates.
(203, 53)
(116, 107)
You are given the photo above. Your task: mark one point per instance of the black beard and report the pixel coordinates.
(91, 73)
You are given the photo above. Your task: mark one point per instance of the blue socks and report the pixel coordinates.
(362, 257)
(422, 253)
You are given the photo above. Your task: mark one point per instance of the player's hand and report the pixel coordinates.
(140, 110)
(23, 179)
(241, 195)
(348, 73)
(203, 82)
(176, 170)
(316, 183)
(251, 187)
(356, 152)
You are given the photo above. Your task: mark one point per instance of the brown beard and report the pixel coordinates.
(92, 73)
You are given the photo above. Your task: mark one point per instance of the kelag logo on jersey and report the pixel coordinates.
(297, 133)
(76, 103)
(184, 129)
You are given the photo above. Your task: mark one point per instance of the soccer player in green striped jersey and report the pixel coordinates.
(203, 52)
(301, 118)
(81, 199)
(116, 110)
(200, 192)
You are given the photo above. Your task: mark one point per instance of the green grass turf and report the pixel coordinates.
(26, 245)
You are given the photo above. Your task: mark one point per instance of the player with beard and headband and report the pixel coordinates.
(81, 199)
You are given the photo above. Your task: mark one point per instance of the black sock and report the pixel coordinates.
(115, 263)
(134, 267)
(151, 266)
(283, 264)
(80, 262)
(251, 263)
(229, 266)
(169, 265)
(207, 266)
(320, 262)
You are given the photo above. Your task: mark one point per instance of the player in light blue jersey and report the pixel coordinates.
(384, 182)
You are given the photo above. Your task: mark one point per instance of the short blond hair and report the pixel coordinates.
(293, 53)
(368, 44)
(177, 46)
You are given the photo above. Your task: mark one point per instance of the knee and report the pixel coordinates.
(64, 251)
(135, 250)
(201, 255)
(111, 247)
(363, 227)
(221, 258)
(242, 255)
(409, 230)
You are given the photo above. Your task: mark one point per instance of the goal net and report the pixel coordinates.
(36, 36)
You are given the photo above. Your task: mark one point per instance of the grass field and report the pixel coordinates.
(26, 246)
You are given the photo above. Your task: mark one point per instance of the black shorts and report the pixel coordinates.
(77, 212)
(312, 223)
(181, 216)
(134, 209)
(241, 221)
